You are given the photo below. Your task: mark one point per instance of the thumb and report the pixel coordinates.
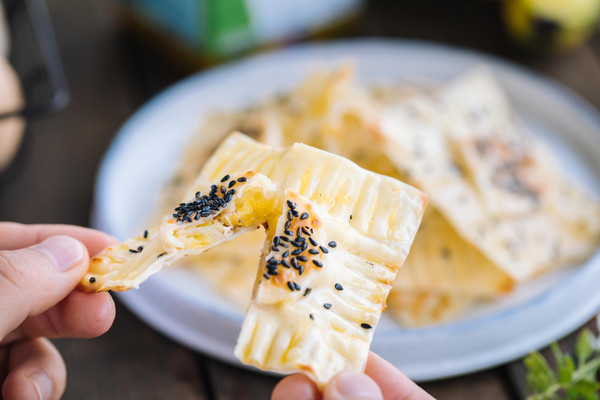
(36, 278)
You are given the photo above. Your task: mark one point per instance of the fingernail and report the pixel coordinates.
(42, 384)
(354, 385)
(65, 251)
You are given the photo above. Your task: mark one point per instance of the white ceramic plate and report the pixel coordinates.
(176, 303)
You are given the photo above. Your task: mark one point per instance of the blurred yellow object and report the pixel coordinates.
(550, 25)
(11, 99)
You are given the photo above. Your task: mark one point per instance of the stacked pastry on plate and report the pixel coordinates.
(500, 210)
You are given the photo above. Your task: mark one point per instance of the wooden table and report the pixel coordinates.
(110, 76)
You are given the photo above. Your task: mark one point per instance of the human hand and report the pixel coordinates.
(40, 265)
(381, 381)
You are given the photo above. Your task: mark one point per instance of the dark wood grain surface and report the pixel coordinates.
(111, 74)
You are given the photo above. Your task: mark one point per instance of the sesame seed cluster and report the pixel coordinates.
(204, 206)
(295, 247)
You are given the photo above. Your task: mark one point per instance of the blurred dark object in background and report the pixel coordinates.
(39, 72)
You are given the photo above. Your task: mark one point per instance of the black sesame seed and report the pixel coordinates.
(317, 263)
(222, 189)
(289, 215)
(365, 326)
(161, 254)
(327, 306)
(304, 245)
(296, 252)
(140, 248)
(290, 285)
(285, 263)
(304, 215)
(324, 249)
(288, 232)
(226, 177)
(306, 231)
(272, 272)
(285, 254)
(294, 263)
(298, 232)
(287, 225)
(231, 192)
(339, 286)
(313, 242)
(133, 251)
(231, 184)
(302, 258)
(296, 286)
(301, 269)
(146, 234)
(285, 239)
(276, 240)
(332, 244)
(295, 213)
(311, 316)
(242, 179)
(313, 251)
(296, 243)
(307, 291)
(291, 204)
(300, 239)
(284, 245)
(274, 248)
(92, 279)
(266, 276)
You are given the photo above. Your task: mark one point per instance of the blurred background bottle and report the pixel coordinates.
(207, 31)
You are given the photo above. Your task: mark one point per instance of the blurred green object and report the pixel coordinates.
(549, 26)
(216, 29)
(228, 26)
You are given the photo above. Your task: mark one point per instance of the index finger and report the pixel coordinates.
(17, 236)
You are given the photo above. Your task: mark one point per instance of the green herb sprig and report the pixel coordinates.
(572, 380)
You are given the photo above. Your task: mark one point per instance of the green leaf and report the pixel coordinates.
(584, 347)
(564, 363)
(566, 369)
(540, 375)
(587, 390)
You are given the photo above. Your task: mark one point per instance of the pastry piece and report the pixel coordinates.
(229, 269)
(320, 291)
(494, 182)
(232, 205)
(441, 262)
(369, 218)
(422, 307)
